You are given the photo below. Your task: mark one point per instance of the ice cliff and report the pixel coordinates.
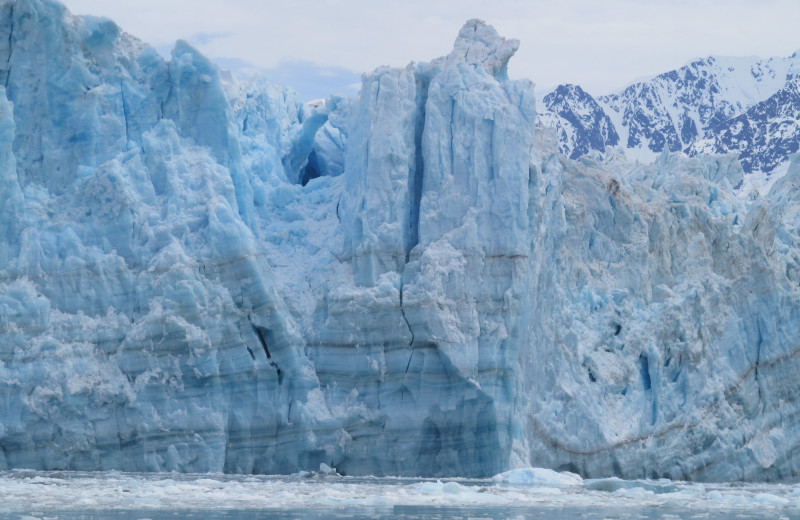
(204, 275)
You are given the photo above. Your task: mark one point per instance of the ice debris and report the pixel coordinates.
(539, 477)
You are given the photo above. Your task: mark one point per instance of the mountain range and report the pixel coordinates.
(749, 106)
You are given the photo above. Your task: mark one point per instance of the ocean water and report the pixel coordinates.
(28, 495)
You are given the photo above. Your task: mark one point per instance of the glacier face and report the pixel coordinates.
(204, 275)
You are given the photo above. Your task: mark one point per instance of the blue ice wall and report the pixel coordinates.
(199, 274)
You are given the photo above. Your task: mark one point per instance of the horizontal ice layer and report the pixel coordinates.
(202, 275)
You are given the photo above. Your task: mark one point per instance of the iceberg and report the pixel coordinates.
(538, 477)
(204, 275)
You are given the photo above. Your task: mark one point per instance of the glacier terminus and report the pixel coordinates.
(202, 274)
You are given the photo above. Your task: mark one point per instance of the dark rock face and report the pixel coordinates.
(763, 136)
(581, 122)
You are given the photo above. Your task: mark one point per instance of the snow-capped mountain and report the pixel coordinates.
(581, 122)
(763, 136)
(700, 101)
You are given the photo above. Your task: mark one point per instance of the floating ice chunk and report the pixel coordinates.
(453, 488)
(444, 488)
(539, 477)
(615, 484)
(324, 469)
(635, 492)
(431, 488)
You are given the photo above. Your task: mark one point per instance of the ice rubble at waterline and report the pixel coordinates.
(528, 493)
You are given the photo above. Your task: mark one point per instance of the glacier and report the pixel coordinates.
(200, 274)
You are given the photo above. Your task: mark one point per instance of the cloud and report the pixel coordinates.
(309, 80)
(203, 38)
(314, 81)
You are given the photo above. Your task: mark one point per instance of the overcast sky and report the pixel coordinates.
(322, 46)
